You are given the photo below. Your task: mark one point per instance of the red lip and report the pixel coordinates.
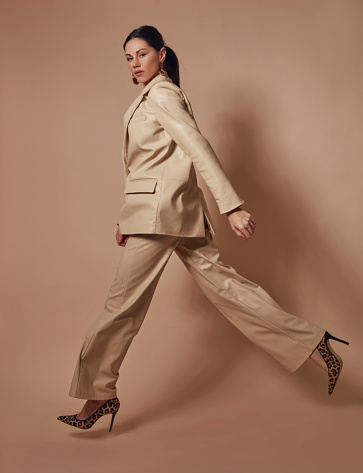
(138, 73)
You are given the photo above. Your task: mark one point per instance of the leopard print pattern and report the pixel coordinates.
(332, 362)
(111, 406)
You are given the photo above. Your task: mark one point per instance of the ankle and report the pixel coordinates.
(319, 360)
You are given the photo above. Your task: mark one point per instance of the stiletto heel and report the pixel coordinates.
(113, 417)
(335, 338)
(111, 406)
(332, 359)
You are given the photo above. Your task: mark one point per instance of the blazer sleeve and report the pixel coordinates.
(172, 112)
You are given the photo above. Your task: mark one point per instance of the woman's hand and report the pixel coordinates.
(241, 223)
(121, 239)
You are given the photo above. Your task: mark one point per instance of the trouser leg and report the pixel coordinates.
(288, 338)
(110, 335)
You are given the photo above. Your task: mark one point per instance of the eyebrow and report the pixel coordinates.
(136, 51)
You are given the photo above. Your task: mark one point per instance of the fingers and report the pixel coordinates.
(124, 240)
(245, 234)
(121, 239)
(248, 231)
(248, 225)
(243, 224)
(239, 233)
(117, 237)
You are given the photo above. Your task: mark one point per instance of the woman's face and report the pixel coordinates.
(143, 60)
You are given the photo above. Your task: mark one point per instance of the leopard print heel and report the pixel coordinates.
(111, 406)
(332, 359)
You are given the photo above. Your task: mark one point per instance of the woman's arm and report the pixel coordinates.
(172, 113)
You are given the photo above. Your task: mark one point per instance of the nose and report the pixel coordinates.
(135, 63)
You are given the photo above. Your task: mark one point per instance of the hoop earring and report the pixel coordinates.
(134, 80)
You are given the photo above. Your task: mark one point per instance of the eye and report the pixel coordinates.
(142, 54)
(128, 58)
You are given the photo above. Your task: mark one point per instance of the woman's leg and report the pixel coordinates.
(289, 339)
(110, 335)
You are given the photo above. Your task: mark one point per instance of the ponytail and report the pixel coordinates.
(171, 66)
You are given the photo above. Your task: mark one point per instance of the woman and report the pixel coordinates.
(165, 211)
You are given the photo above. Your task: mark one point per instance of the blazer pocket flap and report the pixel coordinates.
(140, 186)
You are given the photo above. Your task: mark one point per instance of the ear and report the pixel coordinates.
(162, 54)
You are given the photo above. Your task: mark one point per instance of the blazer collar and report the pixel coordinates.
(156, 79)
(130, 111)
(135, 103)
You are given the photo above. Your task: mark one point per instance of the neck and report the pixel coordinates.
(146, 83)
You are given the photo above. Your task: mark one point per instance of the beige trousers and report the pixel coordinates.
(289, 339)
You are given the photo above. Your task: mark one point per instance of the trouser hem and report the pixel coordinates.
(92, 395)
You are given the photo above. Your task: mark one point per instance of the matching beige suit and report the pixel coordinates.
(165, 212)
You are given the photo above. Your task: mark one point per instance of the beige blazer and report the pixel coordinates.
(162, 144)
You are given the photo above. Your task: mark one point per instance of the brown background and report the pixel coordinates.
(276, 86)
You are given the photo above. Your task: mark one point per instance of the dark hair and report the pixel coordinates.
(154, 39)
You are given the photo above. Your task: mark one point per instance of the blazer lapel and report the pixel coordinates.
(130, 111)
